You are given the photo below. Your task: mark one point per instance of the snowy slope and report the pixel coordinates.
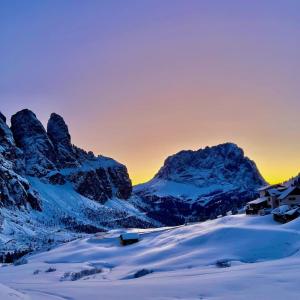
(65, 214)
(235, 257)
(187, 192)
(7, 293)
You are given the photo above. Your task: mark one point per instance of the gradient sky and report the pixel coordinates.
(140, 80)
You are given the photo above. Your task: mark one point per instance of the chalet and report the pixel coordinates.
(129, 238)
(284, 200)
(268, 199)
(272, 192)
(285, 213)
(291, 196)
(253, 207)
(292, 214)
(263, 191)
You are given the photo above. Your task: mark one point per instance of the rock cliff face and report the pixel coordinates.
(51, 156)
(197, 185)
(15, 190)
(58, 133)
(31, 137)
(97, 178)
(27, 149)
(100, 179)
(222, 164)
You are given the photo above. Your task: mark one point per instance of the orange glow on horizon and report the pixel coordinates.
(273, 170)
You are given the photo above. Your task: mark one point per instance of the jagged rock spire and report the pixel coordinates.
(58, 131)
(30, 135)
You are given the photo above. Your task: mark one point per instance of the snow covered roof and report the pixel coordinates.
(270, 186)
(292, 211)
(281, 209)
(287, 192)
(130, 236)
(258, 200)
(274, 192)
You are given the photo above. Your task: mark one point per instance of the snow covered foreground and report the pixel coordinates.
(235, 257)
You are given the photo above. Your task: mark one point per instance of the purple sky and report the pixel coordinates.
(140, 80)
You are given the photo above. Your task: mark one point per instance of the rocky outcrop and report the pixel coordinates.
(100, 179)
(58, 133)
(51, 156)
(97, 178)
(93, 184)
(15, 190)
(8, 149)
(121, 181)
(225, 163)
(202, 184)
(28, 150)
(31, 137)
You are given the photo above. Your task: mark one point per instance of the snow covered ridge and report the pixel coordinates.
(197, 185)
(230, 258)
(50, 190)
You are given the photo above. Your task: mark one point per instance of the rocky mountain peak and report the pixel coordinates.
(58, 133)
(25, 124)
(201, 184)
(58, 130)
(51, 157)
(225, 162)
(229, 150)
(31, 136)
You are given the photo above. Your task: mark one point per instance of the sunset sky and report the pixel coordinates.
(141, 80)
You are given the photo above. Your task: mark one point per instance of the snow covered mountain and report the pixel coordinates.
(197, 185)
(50, 189)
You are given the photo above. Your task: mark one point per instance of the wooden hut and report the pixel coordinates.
(253, 207)
(129, 238)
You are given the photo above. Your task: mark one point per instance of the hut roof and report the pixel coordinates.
(258, 200)
(281, 209)
(292, 211)
(130, 236)
(270, 186)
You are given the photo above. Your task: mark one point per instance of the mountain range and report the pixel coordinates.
(53, 191)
